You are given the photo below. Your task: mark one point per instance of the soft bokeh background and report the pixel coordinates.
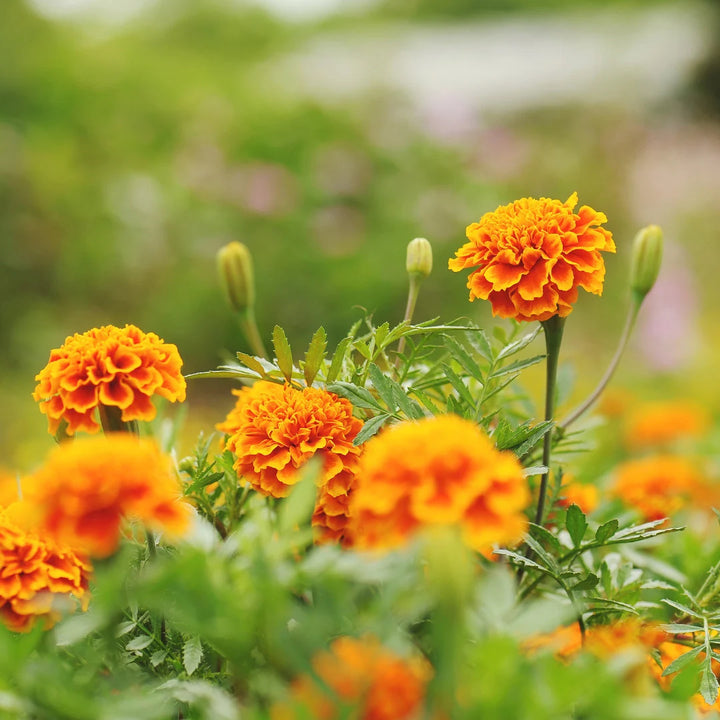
(137, 138)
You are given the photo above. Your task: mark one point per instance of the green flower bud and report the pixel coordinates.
(419, 257)
(646, 260)
(235, 271)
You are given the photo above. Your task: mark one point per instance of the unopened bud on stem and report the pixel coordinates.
(646, 260)
(235, 272)
(419, 257)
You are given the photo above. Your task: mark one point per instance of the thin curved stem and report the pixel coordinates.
(413, 293)
(593, 397)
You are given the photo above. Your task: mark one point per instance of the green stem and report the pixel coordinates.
(249, 327)
(413, 292)
(553, 329)
(592, 398)
(111, 420)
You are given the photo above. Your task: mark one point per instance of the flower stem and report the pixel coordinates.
(111, 420)
(413, 293)
(592, 398)
(553, 328)
(249, 327)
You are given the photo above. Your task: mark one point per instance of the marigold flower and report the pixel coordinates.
(363, 675)
(86, 488)
(441, 470)
(274, 430)
(37, 576)
(661, 423)
(533, 255)
(584, 495)
(112, 367)
(660, 486)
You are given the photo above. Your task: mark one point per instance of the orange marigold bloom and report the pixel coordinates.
(112, 367)
(584, 495)
(533, 255)
(363, 675)
(659, 486)
(441, 470)
(37, 576)
(275, 429)
(87, 487)
(660, 423)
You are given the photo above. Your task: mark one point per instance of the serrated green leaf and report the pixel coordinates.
(480, 341)
(252, 363)
(158, 657)
(359, 397)
(426, 401)
(139, 643)
(458, 384)
(381, 335)
(517, 365)
(283, 353)
(315, 355)
(542, 553)
(518, 345)
(680, 662)
(337, 359)
(521, 559)
(708, 683)
(238, 374)
(680, 629)
(458, 352)
(589, 582)
(406, 404)
(543, 534)
(192, 654)
(682, 608)
(362, 347)
(371, 427)
(575, 524)
(383, 385)
(606, 530)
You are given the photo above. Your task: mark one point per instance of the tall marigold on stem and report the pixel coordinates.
(531, 256)
(110, 371)
(87, 488)
(273, 430)
(363, 675)
(438, 471)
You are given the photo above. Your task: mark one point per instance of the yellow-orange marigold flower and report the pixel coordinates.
(584, 495)
(660, 423)
(110, 366)
(273, 430)
(660, 486)
(37, 576)
(531, 256)
(362, 676)
(86, 488)
(441, 470)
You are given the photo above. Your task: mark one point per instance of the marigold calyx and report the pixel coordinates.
(646, 260)
(235, 271)
(419, 258)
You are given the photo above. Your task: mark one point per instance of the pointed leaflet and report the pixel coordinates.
(315, 355)
(383, 385)
(337, 359)
(283, 353)
(192, 654)
(251, 362)
(370, 428)
(576, 524)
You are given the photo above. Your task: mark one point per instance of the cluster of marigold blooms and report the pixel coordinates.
(528, 258)
(648, 649)
(75, 505)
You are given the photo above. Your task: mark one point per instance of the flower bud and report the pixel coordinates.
(236, 276)
(646, 260)
(419, 257)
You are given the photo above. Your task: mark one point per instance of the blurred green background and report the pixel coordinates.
(137, 138)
